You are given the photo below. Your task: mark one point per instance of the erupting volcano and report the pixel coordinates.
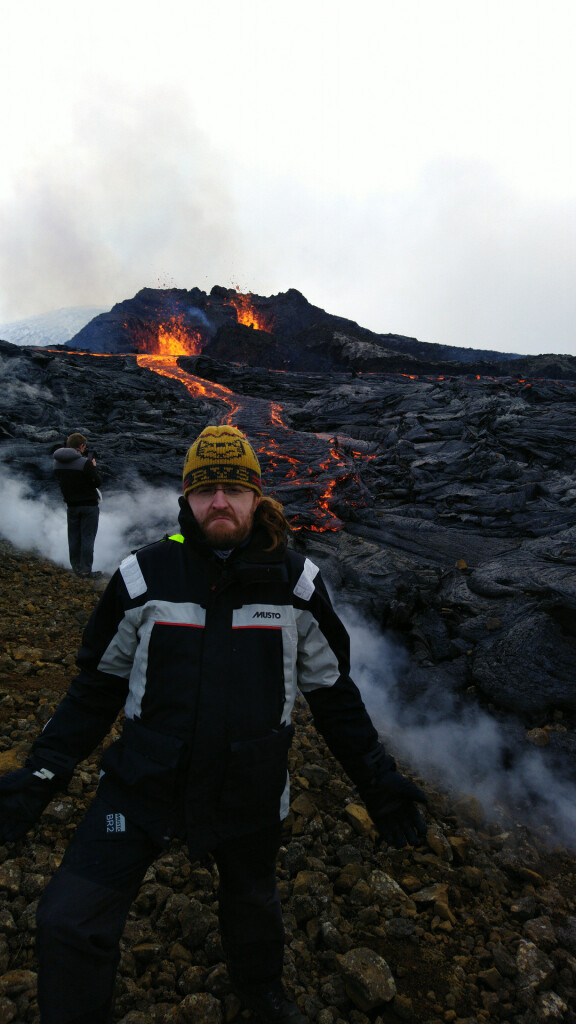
(286, 332)
(178, 322)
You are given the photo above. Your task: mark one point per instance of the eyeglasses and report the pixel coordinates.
(208, 491)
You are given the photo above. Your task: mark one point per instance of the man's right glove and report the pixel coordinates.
(23, 796)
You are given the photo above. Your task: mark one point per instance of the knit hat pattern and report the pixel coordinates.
(221, 455)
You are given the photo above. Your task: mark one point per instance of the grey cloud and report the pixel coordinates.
(459, 259)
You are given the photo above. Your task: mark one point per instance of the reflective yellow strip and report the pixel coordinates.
(178, 537)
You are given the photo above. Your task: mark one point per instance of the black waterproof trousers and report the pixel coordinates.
(82, 914)
(82, 530)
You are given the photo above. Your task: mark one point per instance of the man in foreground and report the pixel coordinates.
(79, 482)
(204, 639)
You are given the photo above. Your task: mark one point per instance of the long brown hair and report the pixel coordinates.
(270, 514)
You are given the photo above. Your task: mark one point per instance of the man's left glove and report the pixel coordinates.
(390, 797)
(392, 805)
(23, 796)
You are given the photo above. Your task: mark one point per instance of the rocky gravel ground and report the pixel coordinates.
(478, 924)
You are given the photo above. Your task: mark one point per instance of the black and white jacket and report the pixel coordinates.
(206, 656)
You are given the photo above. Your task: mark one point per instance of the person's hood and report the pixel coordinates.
(66, 456)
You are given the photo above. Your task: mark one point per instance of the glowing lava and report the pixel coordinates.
(167, 366)
(248, 315)
(175, 340)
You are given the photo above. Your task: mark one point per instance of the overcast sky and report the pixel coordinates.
(409, 164)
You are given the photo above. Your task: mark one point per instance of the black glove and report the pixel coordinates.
(390, 798)
(391, 803)
(23, 796)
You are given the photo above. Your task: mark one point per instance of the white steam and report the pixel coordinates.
(461, 749)
(30, 522)
(36, 522)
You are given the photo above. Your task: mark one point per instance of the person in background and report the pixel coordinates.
(79, 482)
(205, 639)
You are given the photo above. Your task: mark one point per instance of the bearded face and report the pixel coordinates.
(225, 513)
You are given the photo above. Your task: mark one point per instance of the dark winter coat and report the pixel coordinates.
(78, 477)
(207, 656)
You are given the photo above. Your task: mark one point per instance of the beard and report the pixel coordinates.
(225, 532)
(224, 525)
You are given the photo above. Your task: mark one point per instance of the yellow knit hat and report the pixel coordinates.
(221, 455)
